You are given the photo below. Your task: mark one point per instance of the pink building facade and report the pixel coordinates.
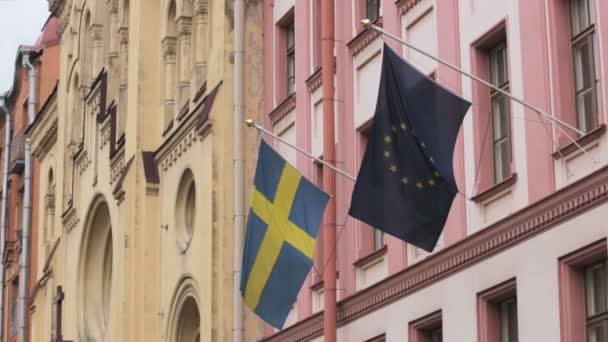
(523, 257)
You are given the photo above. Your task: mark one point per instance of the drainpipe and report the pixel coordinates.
(27, 207)
(329, 176)
(7, 149)
(32, 84)
(239, 174)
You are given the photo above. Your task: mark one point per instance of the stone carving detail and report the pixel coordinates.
(169, 49)
(201, 7)
(184, 27)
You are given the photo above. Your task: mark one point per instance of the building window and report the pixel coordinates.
(378, 239)
(596, 289)
(14, 306)
(497, 313)
(508, 320)
(291, 58)
(427, 329)
(372, 9)
(586, 75)
(501, 123)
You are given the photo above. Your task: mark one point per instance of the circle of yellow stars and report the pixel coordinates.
(394, 169)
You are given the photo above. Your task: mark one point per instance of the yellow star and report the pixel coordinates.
(403, 126)
(388, 139)
(431, 182)
(436, 173)
(423, 145)
(393, 168)
(404, 180)
(432, 160)
(394, 128)
(387, 154)
(419, 185)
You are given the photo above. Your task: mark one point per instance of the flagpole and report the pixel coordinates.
(329, 178)
(239, 173)
(367, 23)
(261, 129)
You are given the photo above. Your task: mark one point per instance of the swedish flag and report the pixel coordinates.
(284, 218)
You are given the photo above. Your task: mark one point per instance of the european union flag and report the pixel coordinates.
(286, 210)
(406, 186)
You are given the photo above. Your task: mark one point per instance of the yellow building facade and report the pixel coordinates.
(138, 147)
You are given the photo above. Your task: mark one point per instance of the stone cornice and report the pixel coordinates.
(364, 38)
(282, 109)
(315, 80)
(405, 6)
(545, 214)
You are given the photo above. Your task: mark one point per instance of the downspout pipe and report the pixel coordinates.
(31, 112)
(27, 208)
(3, 223)
(239, 174)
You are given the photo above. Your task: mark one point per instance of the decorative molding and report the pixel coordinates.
(104, 136)
(201, 7)
(405, 6)
(82, 161)
(179, 149)
(541, 216)
(117, 165)
(44, 137)
(586, 139)
(364, 38)
(70, 219)
(283, 109)
(315, 80)
(169, 49)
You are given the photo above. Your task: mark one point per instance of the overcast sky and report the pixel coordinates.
(20, 24)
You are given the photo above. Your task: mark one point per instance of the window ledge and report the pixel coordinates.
(495, 189)
(405, 6)
(586, 139)
(315, 80)
(316, 286)
(368, 259)
(283, 108)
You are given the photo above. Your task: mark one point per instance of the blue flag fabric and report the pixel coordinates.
(286, 210)
(406, 185)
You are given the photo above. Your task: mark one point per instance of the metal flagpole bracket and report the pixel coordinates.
(556, 121)
(261, 129)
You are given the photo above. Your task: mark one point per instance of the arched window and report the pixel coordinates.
(95, 288)
(189, 321)
(86, 48)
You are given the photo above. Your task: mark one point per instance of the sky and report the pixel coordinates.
(20, 24)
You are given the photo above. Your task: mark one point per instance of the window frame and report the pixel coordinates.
(489, 310)
(369, 6)
(585, 37)
(599, 318)
(499, 174)
(290, 56)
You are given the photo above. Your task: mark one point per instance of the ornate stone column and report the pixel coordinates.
(113, 53)
(201, 8)
(169, 55)
(184, 31)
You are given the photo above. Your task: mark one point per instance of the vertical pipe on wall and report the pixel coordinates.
(329, 176)
(27, 207)
(32, 87)
(239, 175)
(3, 223)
